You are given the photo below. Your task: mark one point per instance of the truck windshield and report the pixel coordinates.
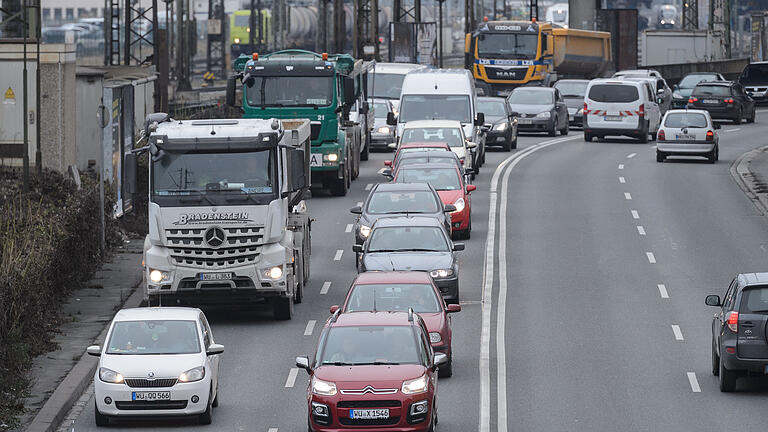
(214, 177)
(384, 85)
(508, 45)
(290, 91)
(435, 107)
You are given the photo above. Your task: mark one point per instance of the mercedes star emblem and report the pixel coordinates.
(214, 237)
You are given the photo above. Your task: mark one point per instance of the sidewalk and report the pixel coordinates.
(60, 376)
(750, 171)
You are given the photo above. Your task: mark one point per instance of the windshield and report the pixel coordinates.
(154, 337)
(242, 20)
(612, 93)
(755, 74)
(435, 107)
(684, 120)
(572, 88)
(393, 297)
(411, 159)
(493, 108)
(667, 12)
(384, 85)
(450, 136)
(439, 178)
(365, 345)
(422, 149)
(214, 174)
(289, 91)
(754, 300)
(404, 239)
(690, 81)
(712, 90)
(521, 96)
(402, 202)
(380, 110)
(508, 45)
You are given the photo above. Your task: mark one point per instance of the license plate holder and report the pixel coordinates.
(369, 414)
(524, 121)
(316, 160)
(684, 137)
(711, 101)
(612, 118)
(150, 396)
(208, 277)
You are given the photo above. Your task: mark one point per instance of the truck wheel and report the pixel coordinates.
(298, 275)
(282, 307)
(339, 186)
(367, 148)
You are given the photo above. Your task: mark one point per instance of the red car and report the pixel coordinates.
(449, 183)
(373, 371)
(400, 291)
(417, 146)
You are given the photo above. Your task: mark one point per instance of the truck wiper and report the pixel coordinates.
(201, 195)
(246, 197)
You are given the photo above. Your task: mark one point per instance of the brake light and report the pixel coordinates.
(641, 111)
(733, 321)
(710, 136)
(693, 99)
(585, 107)
(661, 136)
(728, 101)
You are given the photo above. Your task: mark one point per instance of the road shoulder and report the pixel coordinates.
(750, 171)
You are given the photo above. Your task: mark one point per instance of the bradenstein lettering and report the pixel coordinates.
(185, 219)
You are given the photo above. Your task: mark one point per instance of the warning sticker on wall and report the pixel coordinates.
(9, 97)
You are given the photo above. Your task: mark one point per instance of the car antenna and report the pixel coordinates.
(410, 314)
(374, 299)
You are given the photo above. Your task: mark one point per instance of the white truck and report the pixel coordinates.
(227, 220)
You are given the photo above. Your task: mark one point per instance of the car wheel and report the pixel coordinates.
(339, 186)
(660, 156)
(507, 144)
(514, 142)
(715, 361)
(712, 156)
(447, 370)
(553, 131)
(751, 119)
(101, 419)
(205, 418)
(738, 118)
(727, 379)
(588, 137)
(564, 130)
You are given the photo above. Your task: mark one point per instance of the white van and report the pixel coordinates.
(443, 94)
(386, 81)
(616, 107)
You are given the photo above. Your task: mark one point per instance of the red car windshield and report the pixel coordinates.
(393, 297)
(370, 345)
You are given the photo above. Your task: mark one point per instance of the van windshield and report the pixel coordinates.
(611, 93)
(435, 107)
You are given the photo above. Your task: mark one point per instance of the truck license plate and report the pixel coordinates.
(316, 160)
(215, 276)
(151, 396)
(369, 414)
(612, 118)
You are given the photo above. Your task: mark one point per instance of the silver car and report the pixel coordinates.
(687, 133)
(382, 134)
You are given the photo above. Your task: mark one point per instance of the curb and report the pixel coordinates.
(746, 179)
(55, 409)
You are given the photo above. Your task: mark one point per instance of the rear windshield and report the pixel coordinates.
(690, 81)
(712, 90)
(754, 300)
(439, 178)
(612, 93)
(402, 202)
(684, 120)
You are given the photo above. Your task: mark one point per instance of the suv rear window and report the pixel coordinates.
(712, 90)
(754, 300)
(612, 93)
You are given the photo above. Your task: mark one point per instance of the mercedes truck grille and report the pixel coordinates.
(233, 246)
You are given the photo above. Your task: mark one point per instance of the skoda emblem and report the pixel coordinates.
(214, 237)
(151, 374)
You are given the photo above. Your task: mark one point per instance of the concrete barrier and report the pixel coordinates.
(673, 73)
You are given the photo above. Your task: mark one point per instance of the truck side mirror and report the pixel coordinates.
(298, 170)
(129, 173)
(231, 91)
(364, 108)
(479, 119)
(391, 119)
(349, 91)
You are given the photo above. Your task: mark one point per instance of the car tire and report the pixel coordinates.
(564, 130)
(101, 419)
(507, 146)
(514, 143)
(367, 150)
(588, 137)
(752, 118)
(738, 118)
(660, 156)
(553, 131)
(206, 417)
(712, 156)
(447, 370)
(727, 379)
(715, 361)
(282, 307)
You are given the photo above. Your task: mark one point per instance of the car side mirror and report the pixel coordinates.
(479, 119)
(458, 247)
(357, 248)
(94, 350)
(302, 362)
(215, 349)
(471, 145)
(713, 300)
(356, 210)
(388, 163)
(716, 125)
(388, 173)
(453, 308)
(659, 101)
(334, 308)
(391, 119)
(439, 359)
(393, 146)
(448, 208)
(485, 128)
(470, 188)
(660, 91)
(676, 87)
(513, 114)
(469, 171)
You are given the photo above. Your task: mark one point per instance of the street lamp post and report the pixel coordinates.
(25, 172)
(440, 34)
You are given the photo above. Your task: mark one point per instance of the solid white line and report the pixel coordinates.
(732, 130)
(291, 378)
(678, 333)
(338, 255)
(368, 186)
(348, 228)
(621, 166)
(640, 230)
(627, 196)
(694, 382)
(310, 328)
(635, 214)
(622, 180)
(325, 288)
(631, 155)
(651, 258)
(359, 204)
(663, 290)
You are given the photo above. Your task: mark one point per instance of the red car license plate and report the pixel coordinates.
(369, 414)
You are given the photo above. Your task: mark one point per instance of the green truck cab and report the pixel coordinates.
(320, 87)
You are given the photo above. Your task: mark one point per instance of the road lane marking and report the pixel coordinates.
(663, 290)
(694, 382)
(640, 230)
(369, 186)
(272, 430)
(635, 214)
(359, 204)
(678, 333)
(348, 228)
(651, 258)
(291, 377)
(310, 328)
(631, 155)
(325, 288)
(338, 255)
(621, 166)
(627, 196)
(732, 130)
(622, 180)
(488, 278)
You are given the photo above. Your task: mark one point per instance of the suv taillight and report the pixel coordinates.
(710, 136)
(692, 99)
(661, 136)
(728, 101)
(733, 321)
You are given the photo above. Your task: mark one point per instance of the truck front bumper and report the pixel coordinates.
(326, 157)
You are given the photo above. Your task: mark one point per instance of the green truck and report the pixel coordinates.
(329, 90)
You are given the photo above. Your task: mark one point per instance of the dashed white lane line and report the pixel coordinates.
(622, 180)
(694, 382)
(640, 230)
(621, 166)
(369, 186)
(635, 214)
(338, 255)
(678, 333)
(325, 288)
(348, 228)
(627, 196)
(631, 155)
(272, 430)
(310, 328)
(732, 130)
(651, 258)
(359, 204)
(663, 290)
(291, 378)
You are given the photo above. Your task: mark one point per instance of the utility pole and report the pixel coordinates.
(469, 16)
(38, 36)
(322, 41)
(182, 52)
(720, 19)
(533, 12)
(215, 49)
(440, 34)
(366, 35)
(339, 26)
(25, 159)
(690, 14)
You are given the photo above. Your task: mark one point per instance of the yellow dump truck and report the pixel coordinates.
(503, 55)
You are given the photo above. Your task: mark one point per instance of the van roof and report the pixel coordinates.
(397, 68)
(616, 81)
(438, 81)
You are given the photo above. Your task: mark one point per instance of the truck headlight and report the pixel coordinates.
(158, 276)
(331, 157)
(365, 231)
(418, 385)
(459, 204)
(110, 376)
(192, 375)
(237, 40)
(441, 273)
(545, 114)
(324, 388)
(500, 126)
(274, 273)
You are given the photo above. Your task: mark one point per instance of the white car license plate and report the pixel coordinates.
(711, 101)
(683, 137)
(524, 121)
(215, 276)
(316, 160)
(149, 396)
(570, 117)
(369, 414)
(612, 118)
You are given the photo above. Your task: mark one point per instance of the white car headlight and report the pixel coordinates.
(192, 375)
(110, 376)
(500, 126)
(274, 273)
(435, 337)
(545, 114)
(418, 385)
(459, 204)
(365, 231)
(158, 276)
(384, 129)
(324, 388)
(441, 273)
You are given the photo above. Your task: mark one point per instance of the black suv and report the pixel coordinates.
(725, 100)
(740, 330)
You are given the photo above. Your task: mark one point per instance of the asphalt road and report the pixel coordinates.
(579, 335)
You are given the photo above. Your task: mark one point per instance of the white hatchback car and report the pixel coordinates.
(159, 361)
(446, 131)
(687, 133)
